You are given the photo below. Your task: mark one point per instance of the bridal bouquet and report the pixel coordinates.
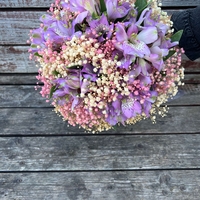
(107, 62)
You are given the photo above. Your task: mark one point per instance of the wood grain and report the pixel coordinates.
(34, 121)
(27, 96)
(192, 78)
(21, 96)
(100, 152)
(129, 185)
(15, 59)
(46, 3)
(15, 26)
(18, 79)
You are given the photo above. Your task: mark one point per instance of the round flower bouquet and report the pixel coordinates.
(107, 62)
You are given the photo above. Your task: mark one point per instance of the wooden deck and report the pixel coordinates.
(41, 158)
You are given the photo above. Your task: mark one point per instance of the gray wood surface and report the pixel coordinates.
(72, 153)
(122, 185)
(27, 96)
(46, 3)
(18, 79)
(15, 59)
(15, 26)
(33, 121)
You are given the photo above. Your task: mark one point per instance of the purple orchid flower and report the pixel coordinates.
(130, 107)
(81, 5)
(148, 102)
(132, 43)
(123, 109)
(116, 11)
(37, 40)
(102, 28)
(67, 87)
(134, 73)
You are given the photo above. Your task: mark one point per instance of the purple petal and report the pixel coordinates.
(147, 107)
(75, 102)
(134, 73)
(148, 35)
(137, 108)
(121, 33)
(80, 18)
(159, 51)
(132, 29)
(114, 11)
(144, 80)
(127, 107)
(142, 17)
(139, 49)
(144, 66)
(162, 29)
(47, 19)
(116, 104)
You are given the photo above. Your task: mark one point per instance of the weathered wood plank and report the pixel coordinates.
(99, 152)
(33, 121)
(15, 59)
(178, 3)
(15, 26)
(18, 79)
(187, 95)
(21, 96)
(25, 3)
(137, 185)
(192, 78)
(46, 3)
(26, 96)
(190, 66)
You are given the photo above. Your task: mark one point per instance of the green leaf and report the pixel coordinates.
(141, 5)
(177, 36)
(34, 46)
(36, 36)
(102, 6)
(45, 28)
(171, 53)
(55, 73)
(94, 16)
(53, 89)
(37, 54)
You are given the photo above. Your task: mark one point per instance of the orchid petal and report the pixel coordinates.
(116, 104)
(144, 66)
(139, 48)
(121, 33)
(75, 102)
(79, 19)
(161, 52)
(132, 29)
(142, 17)
(127, 107)
(147, 107)
(148, 35)
(144, 80)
